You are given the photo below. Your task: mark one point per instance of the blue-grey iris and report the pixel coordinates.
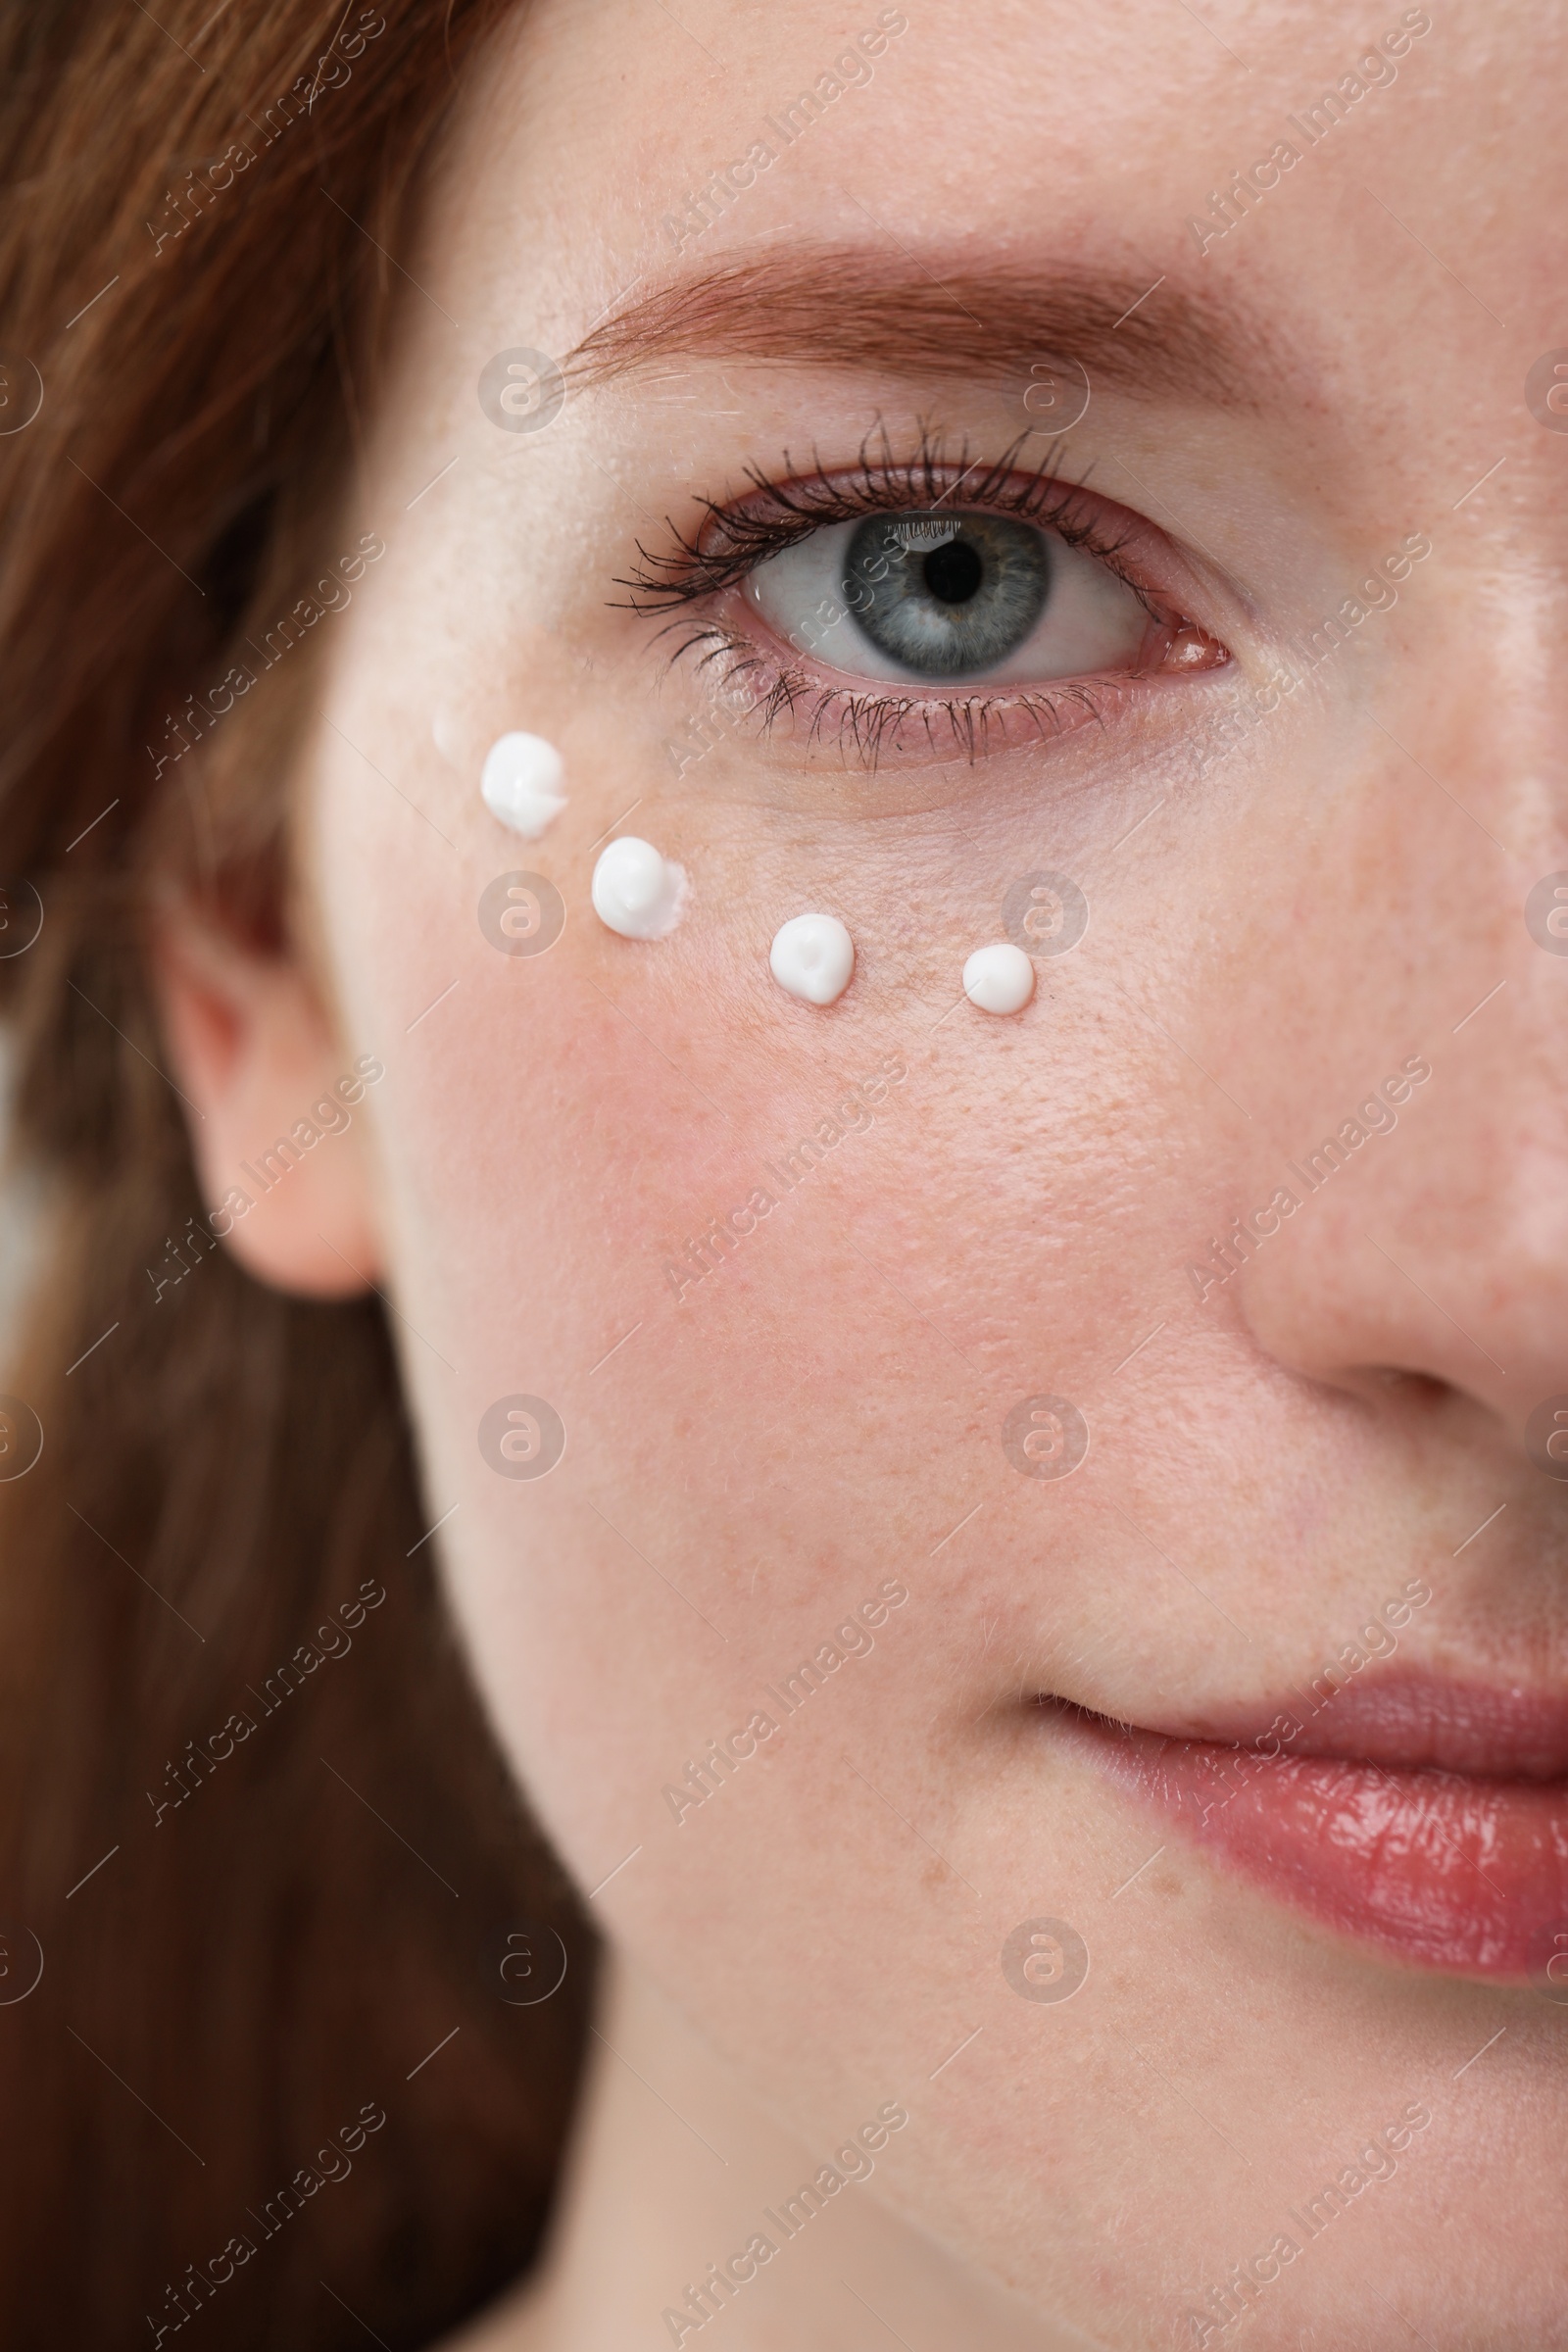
(943, 610)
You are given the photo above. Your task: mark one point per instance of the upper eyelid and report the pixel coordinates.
(732, 539)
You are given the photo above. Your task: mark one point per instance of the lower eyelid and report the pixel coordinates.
(755, 691)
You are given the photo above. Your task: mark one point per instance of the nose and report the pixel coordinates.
(1428, 1256)
(1431, 1240)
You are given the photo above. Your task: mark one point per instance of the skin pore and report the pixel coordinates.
(1295, 889)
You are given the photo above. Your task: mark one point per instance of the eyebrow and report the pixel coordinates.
(838, 306)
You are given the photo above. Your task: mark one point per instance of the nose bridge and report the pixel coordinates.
(1494, 1199)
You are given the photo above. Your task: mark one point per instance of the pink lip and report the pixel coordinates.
(1427, 1818)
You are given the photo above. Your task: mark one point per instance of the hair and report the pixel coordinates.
(194, 264)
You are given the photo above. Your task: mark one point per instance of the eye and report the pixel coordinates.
(942, 599)
(857, 606)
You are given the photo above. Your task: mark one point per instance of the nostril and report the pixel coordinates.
(1417, 1387)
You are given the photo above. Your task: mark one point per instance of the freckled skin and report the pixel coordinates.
(823, 1408)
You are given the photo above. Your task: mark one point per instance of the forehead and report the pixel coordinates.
(1297, 183)
(947, 104)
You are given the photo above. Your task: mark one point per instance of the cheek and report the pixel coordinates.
(558, 1134)
(555, 1132)
(745, 1462)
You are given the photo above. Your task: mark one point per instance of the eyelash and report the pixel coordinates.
(730, 542)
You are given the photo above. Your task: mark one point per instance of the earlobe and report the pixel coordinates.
(279, 1158)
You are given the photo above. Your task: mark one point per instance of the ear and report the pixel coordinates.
(279, 1150)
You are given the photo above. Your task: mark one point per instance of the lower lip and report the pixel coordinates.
(1443, 1870)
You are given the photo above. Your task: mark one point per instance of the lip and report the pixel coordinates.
(1426, 1818)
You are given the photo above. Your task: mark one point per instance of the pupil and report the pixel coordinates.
(946, 610)
(953, 572)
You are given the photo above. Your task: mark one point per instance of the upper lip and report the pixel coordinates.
(1404, 1719)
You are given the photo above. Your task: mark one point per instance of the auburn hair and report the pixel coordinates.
(275, 2083)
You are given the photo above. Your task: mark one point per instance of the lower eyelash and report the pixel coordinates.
(871, 723)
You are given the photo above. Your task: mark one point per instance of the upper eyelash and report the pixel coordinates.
(733, 541)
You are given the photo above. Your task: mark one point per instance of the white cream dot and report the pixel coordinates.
(637, 892)
(998, 979)
(813, 956)
(520, 781)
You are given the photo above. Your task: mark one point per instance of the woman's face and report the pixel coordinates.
(1237, 703)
